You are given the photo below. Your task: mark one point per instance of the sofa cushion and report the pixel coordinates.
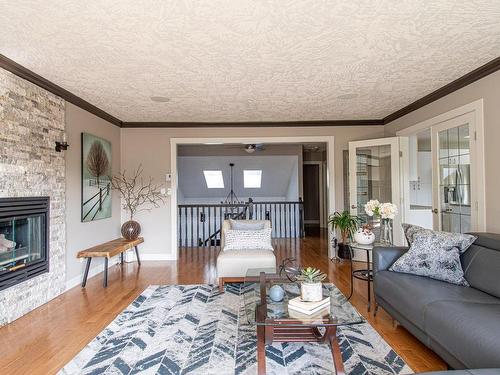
(247, 239)
(236, 263)
(460, 326)
(433, 255)
(410, 294)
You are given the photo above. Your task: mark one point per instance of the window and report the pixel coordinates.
(214, 179)
(252, 179)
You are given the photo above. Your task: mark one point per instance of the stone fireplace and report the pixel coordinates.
(24, 239)
(31, 121)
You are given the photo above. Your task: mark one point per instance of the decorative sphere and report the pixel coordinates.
(276, 293)
(131, 230)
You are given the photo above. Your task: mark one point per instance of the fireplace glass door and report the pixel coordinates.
(22, 241)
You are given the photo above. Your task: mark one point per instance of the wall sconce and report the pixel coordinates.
(60, 146)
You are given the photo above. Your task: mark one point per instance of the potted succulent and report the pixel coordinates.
(310, 284)
(347, 224)
(137, 195)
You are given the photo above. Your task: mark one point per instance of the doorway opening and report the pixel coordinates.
(214, 180)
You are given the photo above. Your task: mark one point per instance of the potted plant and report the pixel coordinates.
(137, 195)
(347, 224)
(310, 284)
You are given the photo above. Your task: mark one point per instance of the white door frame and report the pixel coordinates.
(174, 142)
(476, 109)
(399, 147)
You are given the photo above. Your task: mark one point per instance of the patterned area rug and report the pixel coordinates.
(193, 329)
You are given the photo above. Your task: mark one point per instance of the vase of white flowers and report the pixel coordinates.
(385, 212)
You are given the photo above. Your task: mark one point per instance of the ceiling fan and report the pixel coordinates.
(252, 147)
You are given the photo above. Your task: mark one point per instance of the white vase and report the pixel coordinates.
(311, 292)
(363, 237)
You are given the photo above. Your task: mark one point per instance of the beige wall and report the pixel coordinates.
(83, 235)
(151, 148)
(487, 88)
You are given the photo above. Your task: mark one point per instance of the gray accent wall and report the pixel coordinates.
(84, 235)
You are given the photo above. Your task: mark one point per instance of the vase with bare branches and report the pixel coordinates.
(137, 195)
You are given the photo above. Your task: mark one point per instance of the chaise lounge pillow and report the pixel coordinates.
(247, 239)
(246, 225)
(436, 256)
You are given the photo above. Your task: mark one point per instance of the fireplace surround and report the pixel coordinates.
(24, 239)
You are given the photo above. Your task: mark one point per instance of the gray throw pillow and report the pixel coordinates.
(435, 256)
(246, 225)
(461, 241)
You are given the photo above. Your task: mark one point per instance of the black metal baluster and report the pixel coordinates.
(192, 227)
(203, 227)
(179, 225)
(279, 205)
(295, 220)
(197, 226)
(185, 226)
(275, 220)
(209, 227)
(221, 220)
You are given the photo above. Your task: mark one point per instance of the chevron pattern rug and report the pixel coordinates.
(194, 329)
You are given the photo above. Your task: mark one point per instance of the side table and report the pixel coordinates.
(365, 274)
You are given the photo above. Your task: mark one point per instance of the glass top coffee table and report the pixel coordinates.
(276, 323)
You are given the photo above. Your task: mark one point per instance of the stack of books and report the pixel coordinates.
(308, 308)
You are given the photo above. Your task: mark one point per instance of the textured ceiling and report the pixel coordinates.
(250, 60)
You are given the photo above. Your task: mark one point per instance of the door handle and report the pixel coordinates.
(435, 211)
(353, 206)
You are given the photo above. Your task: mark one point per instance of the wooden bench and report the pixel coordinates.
(106, 251)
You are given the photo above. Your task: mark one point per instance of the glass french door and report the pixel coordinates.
(453, 146)
(374, 173)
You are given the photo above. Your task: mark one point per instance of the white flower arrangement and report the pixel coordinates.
(384, 210)
(388, 210)
(372, 207)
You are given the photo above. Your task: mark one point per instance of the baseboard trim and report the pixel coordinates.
(156, 256)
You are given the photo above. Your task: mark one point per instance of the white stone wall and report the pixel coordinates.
(31, 120)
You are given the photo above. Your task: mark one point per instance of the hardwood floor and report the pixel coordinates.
(44, 340)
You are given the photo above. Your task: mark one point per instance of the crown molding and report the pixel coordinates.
(467, 79)
(22, 72)
(259, 124)
(34, 78)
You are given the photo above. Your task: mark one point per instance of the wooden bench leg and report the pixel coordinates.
(121, 257)
(105, 282)
(137, 255)
(86, 274)
(221, 284)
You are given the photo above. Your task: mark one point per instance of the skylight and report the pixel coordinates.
(214, 179)
(252, 179)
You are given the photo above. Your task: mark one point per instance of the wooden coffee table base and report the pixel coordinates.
(268, 334)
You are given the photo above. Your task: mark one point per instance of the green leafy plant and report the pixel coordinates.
(345, 222)
(310, 275)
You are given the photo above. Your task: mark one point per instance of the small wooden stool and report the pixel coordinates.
(106, 251)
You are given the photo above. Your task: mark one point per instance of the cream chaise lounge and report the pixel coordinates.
(232, 265)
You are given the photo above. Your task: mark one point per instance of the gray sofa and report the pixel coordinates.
(460, 324)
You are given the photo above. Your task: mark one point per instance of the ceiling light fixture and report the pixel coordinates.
(160, 99)
(250, 148)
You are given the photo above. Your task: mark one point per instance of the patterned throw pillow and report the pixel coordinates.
(462, 241)
(435, 256)
(247, 239)
(247, 225)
